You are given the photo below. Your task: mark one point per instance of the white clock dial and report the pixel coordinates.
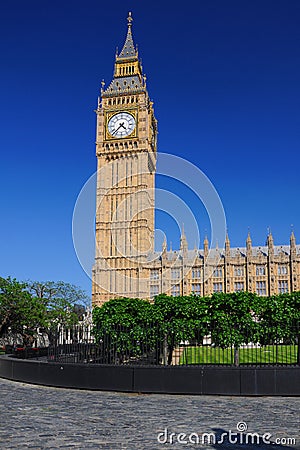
(121, 124)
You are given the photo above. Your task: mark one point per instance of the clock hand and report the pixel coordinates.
(117, 128)
(121, 125)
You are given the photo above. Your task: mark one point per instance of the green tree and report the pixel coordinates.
(232, 319)
(279, 320)
(62, 301)
(20, 313)
(136, 327)
(125, 327)
(180, 319)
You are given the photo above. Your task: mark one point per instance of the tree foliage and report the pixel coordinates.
(278, 318)
(20, 313)
(180, 319)
(28, 306)
(229, 319)
(127, 322)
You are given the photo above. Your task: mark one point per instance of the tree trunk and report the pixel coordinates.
(170, 354)
(4, 325)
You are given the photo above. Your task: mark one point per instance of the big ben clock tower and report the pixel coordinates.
(126, 153)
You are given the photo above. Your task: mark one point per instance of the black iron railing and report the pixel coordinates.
(157, 345)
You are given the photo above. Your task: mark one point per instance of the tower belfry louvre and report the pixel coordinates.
(126, 264)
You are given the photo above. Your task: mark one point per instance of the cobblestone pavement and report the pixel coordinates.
(43, 418)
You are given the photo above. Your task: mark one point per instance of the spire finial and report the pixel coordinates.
(227, 237)
(183, 241)
(128, 50)
(292, 237)
(164, 245)
(129, 19)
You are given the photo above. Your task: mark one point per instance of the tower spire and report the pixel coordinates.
(128, 50)
(128, 73)
(183, 241)
(293, 243)
(270, 243)
(227, 245)
(205, 244)
(249, 244)
(129, 19)
(164, 245)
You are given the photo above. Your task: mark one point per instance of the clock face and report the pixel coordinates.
(121, 124)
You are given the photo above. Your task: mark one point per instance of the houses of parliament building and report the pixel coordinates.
(126, 264)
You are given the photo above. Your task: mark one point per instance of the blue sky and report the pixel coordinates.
(224, 77)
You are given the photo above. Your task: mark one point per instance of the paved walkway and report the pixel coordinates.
(44, 417)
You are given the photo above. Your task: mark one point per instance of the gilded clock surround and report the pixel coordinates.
(112, 113)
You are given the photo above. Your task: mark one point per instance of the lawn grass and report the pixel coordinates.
(270, 354)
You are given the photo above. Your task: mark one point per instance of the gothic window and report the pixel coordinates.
(116, 214)
(111, 208)
(175, 273)
(238, 271)
(112, 174)
(218, 272)
(130, 208)
(196, 273)
(282, 270)
(238, 287)
(154, 274)
(218, 287)
(154, 290)
(126, 171)
(196, 289)
(111, 280)
(261, 288)
(117, 170)
(175, 290)
(111, 245)
(260, 270)
(283, 286)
